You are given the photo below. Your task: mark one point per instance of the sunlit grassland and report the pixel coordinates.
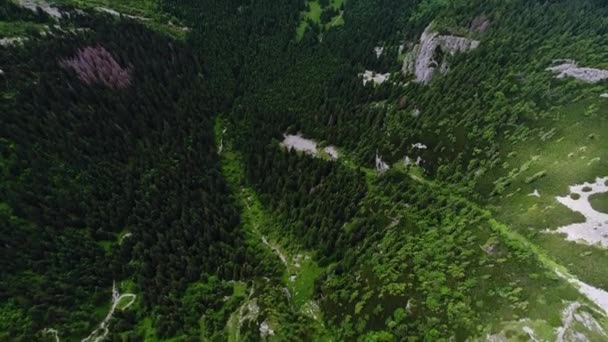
(569, 147)
(314, 14)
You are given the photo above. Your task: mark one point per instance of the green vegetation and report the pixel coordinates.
(599, 202)
(18, 28)
(568, 156)
(299, 269)
(320, 15)
(18, 22)
(117, 169)
(147, 12)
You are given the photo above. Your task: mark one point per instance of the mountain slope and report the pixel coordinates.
(373, 170)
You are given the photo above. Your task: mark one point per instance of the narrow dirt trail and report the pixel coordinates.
(102, 331)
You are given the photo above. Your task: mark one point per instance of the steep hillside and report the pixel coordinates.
(369, 170)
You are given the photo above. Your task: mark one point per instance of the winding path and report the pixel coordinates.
(101, 332)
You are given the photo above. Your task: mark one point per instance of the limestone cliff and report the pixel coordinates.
(422, 61)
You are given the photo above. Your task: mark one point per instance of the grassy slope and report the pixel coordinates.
(139, 8)
(258, 224)
(548, 299)
(542, 292)
(18, 28)
(577, 152)
(314, 14)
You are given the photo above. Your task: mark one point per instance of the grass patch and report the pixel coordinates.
(599, 202)
(258, 224)
(337, 4)
(106, 245)
(19, 28)
(579, 258)
(304, 285)
(568, 146)
(313, 14)
(146, 9)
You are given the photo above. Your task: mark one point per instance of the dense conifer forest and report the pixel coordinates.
(303, 170)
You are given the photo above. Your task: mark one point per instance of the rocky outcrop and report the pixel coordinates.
(426, 57)
(371, 76)
(378, 50)
(33, 5)
(569, 68)
(381, 166)
(11, 41)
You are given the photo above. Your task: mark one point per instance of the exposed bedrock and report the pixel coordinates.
(427, 55)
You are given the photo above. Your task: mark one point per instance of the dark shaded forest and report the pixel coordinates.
(112, 174)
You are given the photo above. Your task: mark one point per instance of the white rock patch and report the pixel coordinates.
(221, 147)
(564, 333)
(311, 309)
(536, 193)
(421, 61)
(419, 146)
(571, 69)
(126, 236)
(572, 314)
(407, 161)
(401, 48)
(604, 96)
(381, 166)
(589, 322)
(32, 5)
(12, 41)
(532, 334)
(598, 296)
(495, 338)
(595, 228)
(378, 50)
(52, 332)
(308, 146)
(331, 151)
(299, 143)
(371, 76)
(265, 329)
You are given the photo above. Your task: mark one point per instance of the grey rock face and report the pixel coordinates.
(44, 6)
(421, 60)
(11, 41)
(570, 68)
